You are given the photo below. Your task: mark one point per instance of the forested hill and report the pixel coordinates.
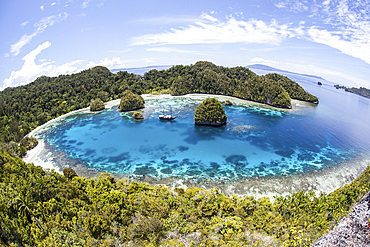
(360, 91)
(26, 107)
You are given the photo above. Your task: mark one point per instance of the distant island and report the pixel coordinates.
(360, 91)
(268, 68)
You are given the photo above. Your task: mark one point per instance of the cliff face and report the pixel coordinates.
(352, 230)
(210, 112)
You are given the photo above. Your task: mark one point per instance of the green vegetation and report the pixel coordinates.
(205, 77)
(69, 173)
(294, 90)
(210, 112)
(138, 115)
(360, 91)
(44, 208)
(24, 108)
(97, 105)
(131, 101)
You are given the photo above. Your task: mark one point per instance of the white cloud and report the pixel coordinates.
(344, 24)
(16, 48)
(42, 7)
(230, 31)
(175, 50)
(293, 5)
(208, 17)
(120, 51)
(85, 4)
(30, 70)
(166, 20)
(23, 24)
(359, 48)
(262, 60)
(113, 63)
(40, 27)
(149, 60)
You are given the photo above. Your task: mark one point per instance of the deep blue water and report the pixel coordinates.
(256, 141)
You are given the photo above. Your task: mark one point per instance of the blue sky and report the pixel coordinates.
(328, 38)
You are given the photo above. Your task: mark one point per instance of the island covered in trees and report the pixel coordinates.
(131, 101)
(43, 208)
(360, 91)
(210, 112)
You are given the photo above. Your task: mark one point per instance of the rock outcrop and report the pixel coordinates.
(352, 230)
(210, 112)
(131, 101)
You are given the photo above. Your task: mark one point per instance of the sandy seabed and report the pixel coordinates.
(323, 180)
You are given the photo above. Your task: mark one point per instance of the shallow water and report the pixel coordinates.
(256, 142)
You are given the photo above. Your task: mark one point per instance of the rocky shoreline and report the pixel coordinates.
(352, 230)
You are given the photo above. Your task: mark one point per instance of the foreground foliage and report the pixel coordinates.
(44, 208)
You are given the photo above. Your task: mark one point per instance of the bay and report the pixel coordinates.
(257, 142)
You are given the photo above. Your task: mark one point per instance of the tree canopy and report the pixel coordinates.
(210, 112)
(131, 101)
(43, 208)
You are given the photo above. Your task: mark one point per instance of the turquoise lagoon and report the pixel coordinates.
(258, 141)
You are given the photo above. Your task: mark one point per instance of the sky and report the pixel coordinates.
(327, 38)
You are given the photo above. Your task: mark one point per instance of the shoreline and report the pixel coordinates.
(31, 155)
(324, 180)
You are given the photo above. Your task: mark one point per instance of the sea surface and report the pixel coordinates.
(258, 141)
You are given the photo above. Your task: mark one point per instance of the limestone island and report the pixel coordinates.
(131, 101)
(138, 116)
(210, 112)
(97, 105)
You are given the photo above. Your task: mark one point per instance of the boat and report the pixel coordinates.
(167, 117)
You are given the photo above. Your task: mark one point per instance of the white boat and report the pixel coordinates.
(167, 117)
